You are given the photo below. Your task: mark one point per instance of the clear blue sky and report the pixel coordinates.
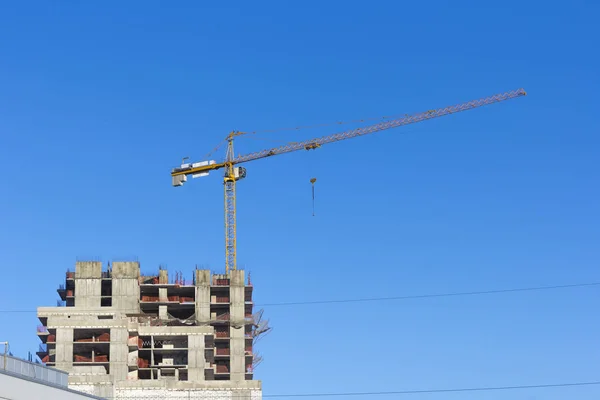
(99, 100)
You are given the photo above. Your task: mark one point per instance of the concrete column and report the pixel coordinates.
(237, 345)
(88, 284)
(202, 296)
(126, 287)
(132, 359)
(163, 277)
(162, 312)
(119, 353)
(64, 349)
(162, 294)
(196, 360)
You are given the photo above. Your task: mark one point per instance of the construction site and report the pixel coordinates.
(123, 334)
(195, 194)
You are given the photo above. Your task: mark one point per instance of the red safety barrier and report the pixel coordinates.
(105, 337)
(222, 368)
(222, 334)
(223, 352)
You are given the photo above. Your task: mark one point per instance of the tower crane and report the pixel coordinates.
(233, 172)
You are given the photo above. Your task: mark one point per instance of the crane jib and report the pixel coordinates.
(315, 143)
(189, 169)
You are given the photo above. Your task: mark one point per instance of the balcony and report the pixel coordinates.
(42, 352)
(65, 294)
(45, 335)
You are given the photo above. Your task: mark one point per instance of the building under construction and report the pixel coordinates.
(122, 334)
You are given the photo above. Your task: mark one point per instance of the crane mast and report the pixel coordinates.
(233, 173)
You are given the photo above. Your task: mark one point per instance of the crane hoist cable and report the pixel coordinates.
(312, 181)
(234, 173)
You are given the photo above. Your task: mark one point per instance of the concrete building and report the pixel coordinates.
(24, 380)
(124, 335)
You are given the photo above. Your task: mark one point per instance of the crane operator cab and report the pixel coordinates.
(239, 173)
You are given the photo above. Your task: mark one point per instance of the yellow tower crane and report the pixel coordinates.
(233, 173)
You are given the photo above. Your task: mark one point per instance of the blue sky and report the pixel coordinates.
(99, 100)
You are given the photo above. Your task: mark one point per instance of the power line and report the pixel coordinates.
(456, 390)
(425, 296)
(419, 296)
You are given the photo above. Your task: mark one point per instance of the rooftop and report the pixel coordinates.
(33, 371)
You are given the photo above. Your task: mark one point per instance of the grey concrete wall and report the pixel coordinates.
(216, 390)
(196, 360)
(64, 348)
(88, 269)
(126, 269)
(119, 352)
(93, 387)
(125, 287)
(88, 281)
(173, 330)
(88, 370)
(83, 319)
(187, 394)
(237, 345)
